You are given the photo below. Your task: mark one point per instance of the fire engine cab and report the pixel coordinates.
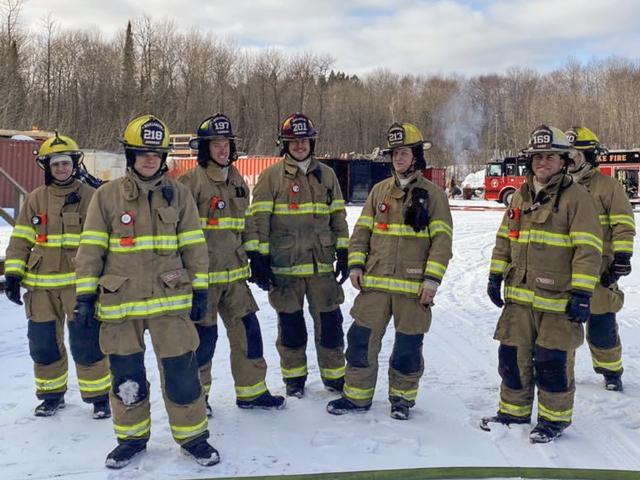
(624, 166)
(503, 177)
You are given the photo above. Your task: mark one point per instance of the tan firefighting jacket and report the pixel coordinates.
(143, 254)
(222, 205)
(300, 219)
(396, 258)
(547, 251)
(47, 234)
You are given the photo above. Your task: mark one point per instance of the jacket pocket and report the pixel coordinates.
(71, 222)
(282, 250)
(167, 227)
(34, 261)
(242, 255)
(552, 282)
(176, 282)
(327, 253)
(413, 270)
(111, 289)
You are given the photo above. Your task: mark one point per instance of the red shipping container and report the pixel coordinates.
(436, 175)
(18, 160)
(249, 167)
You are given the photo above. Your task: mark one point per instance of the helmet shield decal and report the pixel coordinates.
(152, 133)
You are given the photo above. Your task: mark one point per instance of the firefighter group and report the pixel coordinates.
(146, 253)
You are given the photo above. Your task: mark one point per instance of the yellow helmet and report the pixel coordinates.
(57, 144)
(148, 133)
(581, 138)
(404, 135)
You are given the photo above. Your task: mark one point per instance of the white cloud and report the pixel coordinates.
(413, 36)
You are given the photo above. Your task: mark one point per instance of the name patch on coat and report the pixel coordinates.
(545, 281)
(414, 271)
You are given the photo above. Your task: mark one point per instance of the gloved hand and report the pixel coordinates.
(85, 310)
(342, 267)
(620, 267)
(261, 273)
(199, 302)
(494, 289)
(579, 306)
(12, 288)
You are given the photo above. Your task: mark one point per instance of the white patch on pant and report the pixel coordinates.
(128, 392)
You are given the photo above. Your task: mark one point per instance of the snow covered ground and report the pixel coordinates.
(460, 386)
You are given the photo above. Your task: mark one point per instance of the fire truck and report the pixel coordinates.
(503, 177)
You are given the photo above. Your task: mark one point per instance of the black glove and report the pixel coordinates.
(620, 267)
(261, 273)
(579, 307)
(199, 303)
(494, 289)
(342, 265)
(85, 310)
(12, 289)
(417, 213)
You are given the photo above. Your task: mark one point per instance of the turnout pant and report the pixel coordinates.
(47, 311)
(602, 330)
(237, 308)
(324, 295)
(174, 340)
(537, 349)
(371, 312)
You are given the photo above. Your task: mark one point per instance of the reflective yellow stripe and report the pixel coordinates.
(528, 297)
(549, 238)
(47, 385)
(503, 232)
(585, 282)
(144, 308)
(357, 258)
(604, 220)
(251, 392)
(410, 395)
(391, 284)
(15, 266)
(438, 227)
(192, 237)
(343, 242)
(586, 239)
(515, 410)
(332, 373)
(228, 276)
(67, 240)
(435, 269)
(263, 248)
(137, 430)
(25, 232)
(622, 219)
(251, 246)
(224, 223)
(303, 270)
(294, 372)
(201, 281)
(49, 280)
(182, 433)
(148, 242)
(355, 393)
(260, 207)
(400, 230)
(611, 366)
(498, 266)
(93, 237)
(365, 221)
(309, 208)
(86, 285)
(98, 385)
(336, 206)
(554, 415)
(622, 246)
(207, 388)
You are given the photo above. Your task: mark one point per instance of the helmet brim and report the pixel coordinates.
(426, 145)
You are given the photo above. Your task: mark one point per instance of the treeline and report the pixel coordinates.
(88, 86)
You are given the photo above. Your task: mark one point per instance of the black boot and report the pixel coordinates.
(342, 405)
(101, 410)
(122, 455)
(547, 431)
(399, 411)
(502, 418)
(209, 409)
(266, 401)
(295, 387)
(334, 385)
(200, 450)
(613, 382)
(49, 407)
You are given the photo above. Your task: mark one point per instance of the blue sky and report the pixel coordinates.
(413, 36)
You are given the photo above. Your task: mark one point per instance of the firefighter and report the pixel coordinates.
(398, 255)
(40, 257)
(222, 197)
(548, 253)
(618, 228)
(301, 226)
(142, 265)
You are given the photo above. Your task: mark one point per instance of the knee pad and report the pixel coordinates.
(43, 343)
(129, 378)
(508, 366)
(407, 353)
(357, 353)
(551, 370)
(254, 336)
(181, 381)
(84, 343)
(206, 348)
(331, 335)
(293, 329)
(602, 331)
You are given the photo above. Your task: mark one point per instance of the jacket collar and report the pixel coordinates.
(216, 173)
(557, 182)
(291, 165)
